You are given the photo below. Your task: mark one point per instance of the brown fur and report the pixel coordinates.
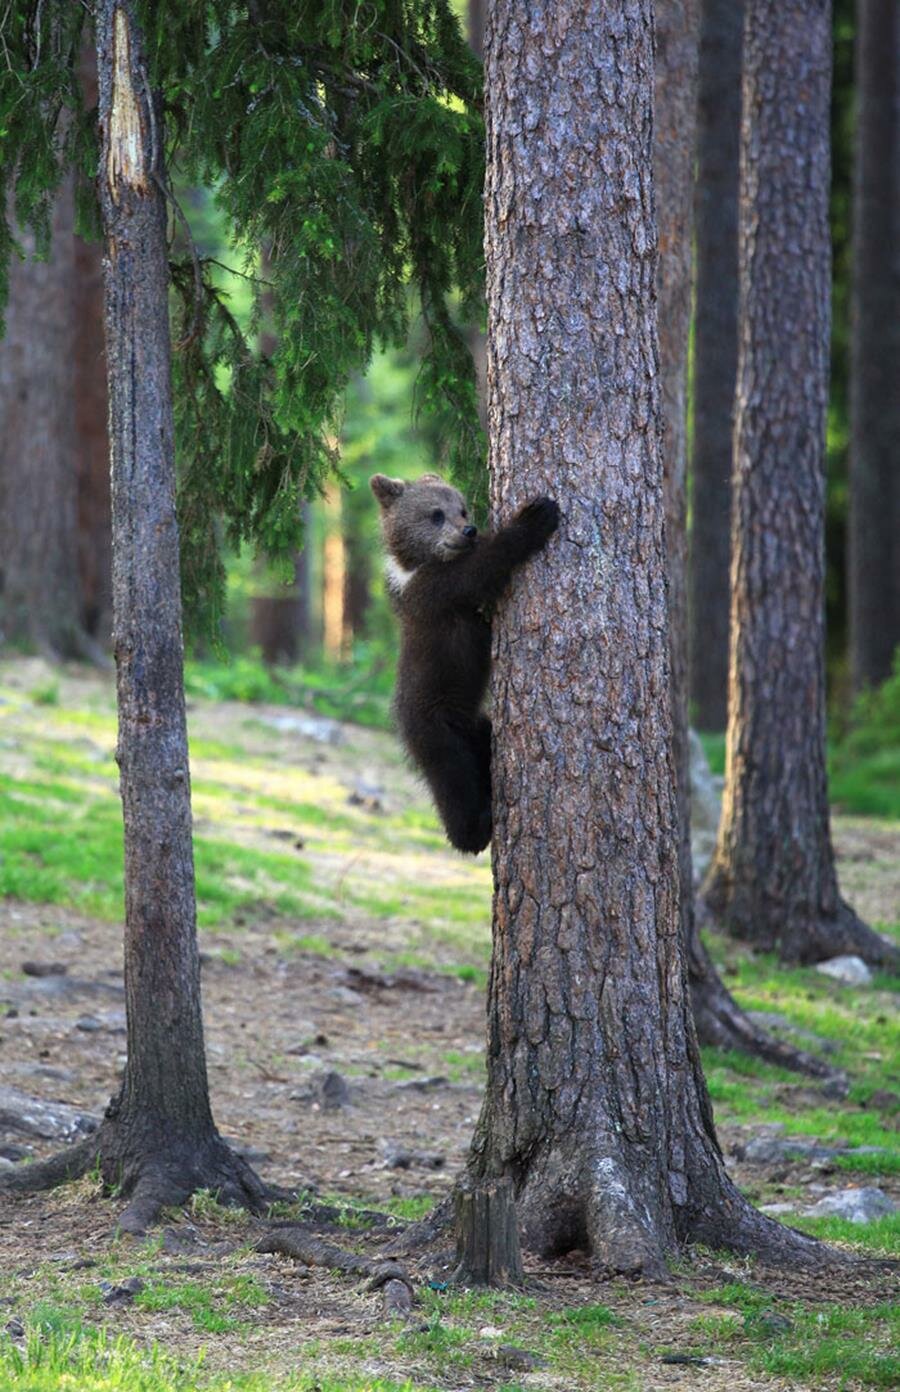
(444, 579)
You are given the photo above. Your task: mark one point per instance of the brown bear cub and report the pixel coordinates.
(443, 578)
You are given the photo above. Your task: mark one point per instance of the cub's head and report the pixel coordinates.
(423, 521)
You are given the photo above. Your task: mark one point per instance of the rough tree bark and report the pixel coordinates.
(773, 879)
(39, 603)
(595, 1105)
(874, 530)
(718, 1017)
(157, 1142)
(715, 353)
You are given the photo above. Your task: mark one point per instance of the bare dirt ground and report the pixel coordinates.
(406, 1043)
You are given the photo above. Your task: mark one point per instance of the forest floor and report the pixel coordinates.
(340, 936)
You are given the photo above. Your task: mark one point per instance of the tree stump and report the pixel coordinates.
(487, 1235)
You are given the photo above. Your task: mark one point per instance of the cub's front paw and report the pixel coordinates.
(540, 517)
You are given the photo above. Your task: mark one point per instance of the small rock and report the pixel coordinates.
(397, 1157)
(12, 1153)
(15, 1329)
(775, 1210)
(344, 995)
(317, 728)
(123, 1294)
(5, 1164)
(884, 1101)
(177, 1241)
(768, 1323)
(89, 1024)
(421, 1084)
(44, 968)
(858, 1205)
(848, 970)
(518, 1359)
(51, 1121)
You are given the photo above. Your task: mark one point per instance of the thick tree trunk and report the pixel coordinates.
(39, 601)
(595, 1104)
(874, 559)
(158, 1142)
(773, 878)
(718, 1017)
(715, 354)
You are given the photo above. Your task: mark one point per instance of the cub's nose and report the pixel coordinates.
(470, 532)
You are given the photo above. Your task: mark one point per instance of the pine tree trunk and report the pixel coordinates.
(595, 1104)
(874, 559)
(39, 603)
(773, 879)
(717, 1015)
(715, 354)
(158, 1142)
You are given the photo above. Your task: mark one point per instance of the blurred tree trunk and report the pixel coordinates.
(773, 879)
(334, 573)
(874, 559)
(718, 1017)
(39, 597)
(595, 1104)
(715, 353)
(92, 445)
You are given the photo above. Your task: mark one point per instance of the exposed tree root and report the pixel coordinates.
(723, 1024)
(68, 1165)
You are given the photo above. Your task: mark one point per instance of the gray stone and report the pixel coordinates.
(848, 970)
(859, 1205)
(52, 1121)
(315, 727)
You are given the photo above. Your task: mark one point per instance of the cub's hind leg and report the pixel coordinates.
(455, 759)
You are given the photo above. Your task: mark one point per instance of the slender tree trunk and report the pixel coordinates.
(773, 880)
(595, 1105)
(874, 559)
(715, 353)
(334, 570)
(157, 1142)
(718, 1017)
(39, 601)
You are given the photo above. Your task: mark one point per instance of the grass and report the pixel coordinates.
(857, 1346)
(60, 1353)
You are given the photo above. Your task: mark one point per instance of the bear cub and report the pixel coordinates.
(443, 578)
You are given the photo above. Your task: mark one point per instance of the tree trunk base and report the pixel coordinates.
(738, 913)
(150, 1178)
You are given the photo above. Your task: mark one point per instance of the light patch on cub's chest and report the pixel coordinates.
(397, 576)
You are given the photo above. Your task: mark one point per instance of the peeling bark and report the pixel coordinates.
(595, 1105)
(773, 879)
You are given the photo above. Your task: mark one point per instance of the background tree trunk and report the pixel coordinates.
(715, 354)
(718, 1017)
(39, 601)
(91, 445)
(595, 1103)
(874, 533)
(158, 1142)
(773, 879)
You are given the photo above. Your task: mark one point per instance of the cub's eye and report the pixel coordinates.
(437, 517)
(465, 514)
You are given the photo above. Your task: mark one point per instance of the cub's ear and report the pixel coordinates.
(386, 490)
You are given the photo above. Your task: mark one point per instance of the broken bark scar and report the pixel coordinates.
(125, 164)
